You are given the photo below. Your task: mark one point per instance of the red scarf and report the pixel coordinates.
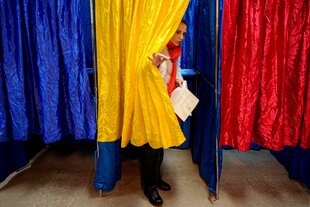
(174, 53)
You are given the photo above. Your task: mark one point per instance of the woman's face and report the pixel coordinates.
(179, 34)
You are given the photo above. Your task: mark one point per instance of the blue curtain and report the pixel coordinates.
(44, 85)
(296, 160)
(3, 111)
(108, 165)
(87, 31)
(189, 44)
(199, 53)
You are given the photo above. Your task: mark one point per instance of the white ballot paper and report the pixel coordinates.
(183, 101)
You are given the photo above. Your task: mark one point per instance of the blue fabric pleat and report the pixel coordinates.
(190, 76)
(108, 165)
(189, 44)
(44, 82)
(296, 160)
(13, 70)
(185, 126)
(87, 31)
(199, 53)
(3, 106)
(204, 143)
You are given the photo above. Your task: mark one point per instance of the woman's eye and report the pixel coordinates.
(178, 32)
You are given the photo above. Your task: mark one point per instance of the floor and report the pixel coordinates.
(64, 178)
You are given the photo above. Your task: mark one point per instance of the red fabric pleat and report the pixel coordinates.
(265, 63)
(305, 129)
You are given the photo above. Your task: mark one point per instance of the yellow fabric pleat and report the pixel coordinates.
(132, 99)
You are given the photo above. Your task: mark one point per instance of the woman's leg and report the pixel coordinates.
(162, 185)
(150, 172)
(151, 160)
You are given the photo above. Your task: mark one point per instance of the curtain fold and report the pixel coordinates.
(199, 53)
(12, 70)
(3, 104)
(265, 66)
(305, 125)
(296, 161)
(133, 102)
(44, 79)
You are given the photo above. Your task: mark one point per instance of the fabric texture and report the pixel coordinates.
(44, 86)
(296, 161)
(109, 164)
(265, 74)
(133, 101)
(199, 53)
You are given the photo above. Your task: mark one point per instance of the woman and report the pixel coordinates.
(168, 64)
(169, 60)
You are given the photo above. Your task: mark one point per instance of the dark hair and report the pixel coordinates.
(184, 22)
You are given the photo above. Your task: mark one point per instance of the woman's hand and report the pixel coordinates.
(178, 83)
(158, 58)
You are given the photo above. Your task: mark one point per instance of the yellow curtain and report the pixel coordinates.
(132, 98)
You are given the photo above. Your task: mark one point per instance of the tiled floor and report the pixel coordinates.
(64, 178)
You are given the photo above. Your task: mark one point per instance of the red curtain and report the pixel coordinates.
(265, 74)
(305, 126)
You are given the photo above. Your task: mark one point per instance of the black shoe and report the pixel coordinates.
(153, 196)
(162, 185)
